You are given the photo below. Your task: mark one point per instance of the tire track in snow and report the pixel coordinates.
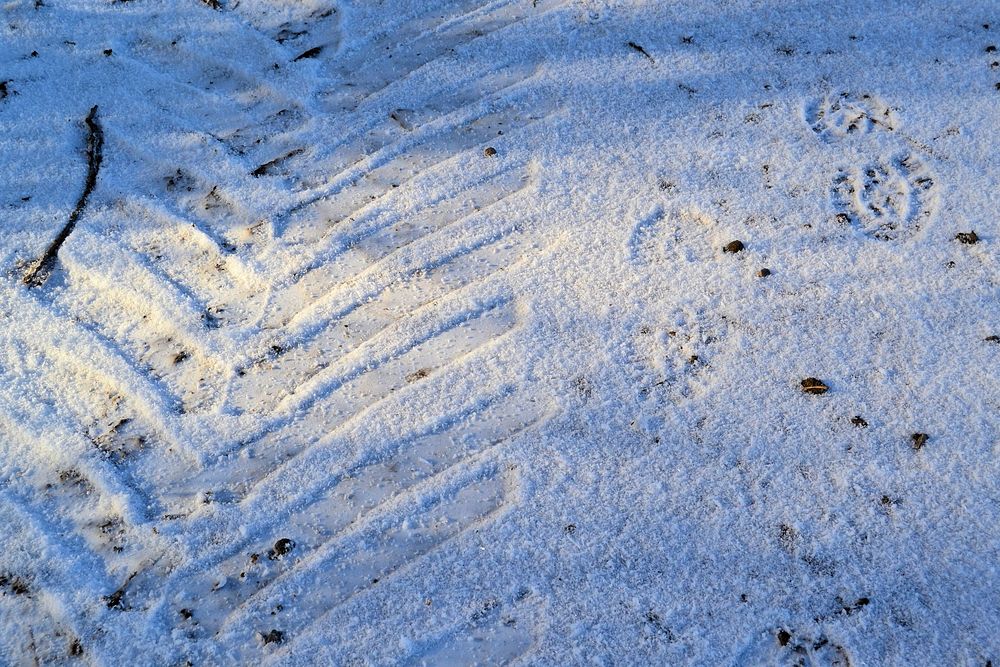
(390, 233)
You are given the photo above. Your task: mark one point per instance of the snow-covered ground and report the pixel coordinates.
(414, 332)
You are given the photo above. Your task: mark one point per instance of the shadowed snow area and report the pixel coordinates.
(452, 332)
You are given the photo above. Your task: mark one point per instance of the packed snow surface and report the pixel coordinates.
(548, 332)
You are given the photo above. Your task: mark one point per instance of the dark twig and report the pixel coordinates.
(267, 166)
(41, 269)
(311, 53)
(117, 599)
(639, 49)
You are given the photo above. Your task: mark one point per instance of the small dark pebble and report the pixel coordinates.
(764, 273)
(186, 613)
(968, 238)
(919, 440)
(733, 246)
(784, 637)
(787, 535)
(108, 52)
(992, 339)
(859, 421)
(281, 547)
(490, 151)
(814, 386)
(991, 49)
(859, 604)
(570, 528)
(34, 54)
(75, 648)
(272, 637)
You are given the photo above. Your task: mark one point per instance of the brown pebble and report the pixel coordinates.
(281, 547)
(733, 246)
(490, 151)
(764, 273)
(814, 386)
(968, 238)
(919, 440)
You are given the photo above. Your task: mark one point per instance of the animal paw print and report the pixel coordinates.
(887, 199)
(794, 649)
(847, 114)
(679, 235)
(676, 358)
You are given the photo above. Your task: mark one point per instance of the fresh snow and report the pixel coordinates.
(412, 332)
